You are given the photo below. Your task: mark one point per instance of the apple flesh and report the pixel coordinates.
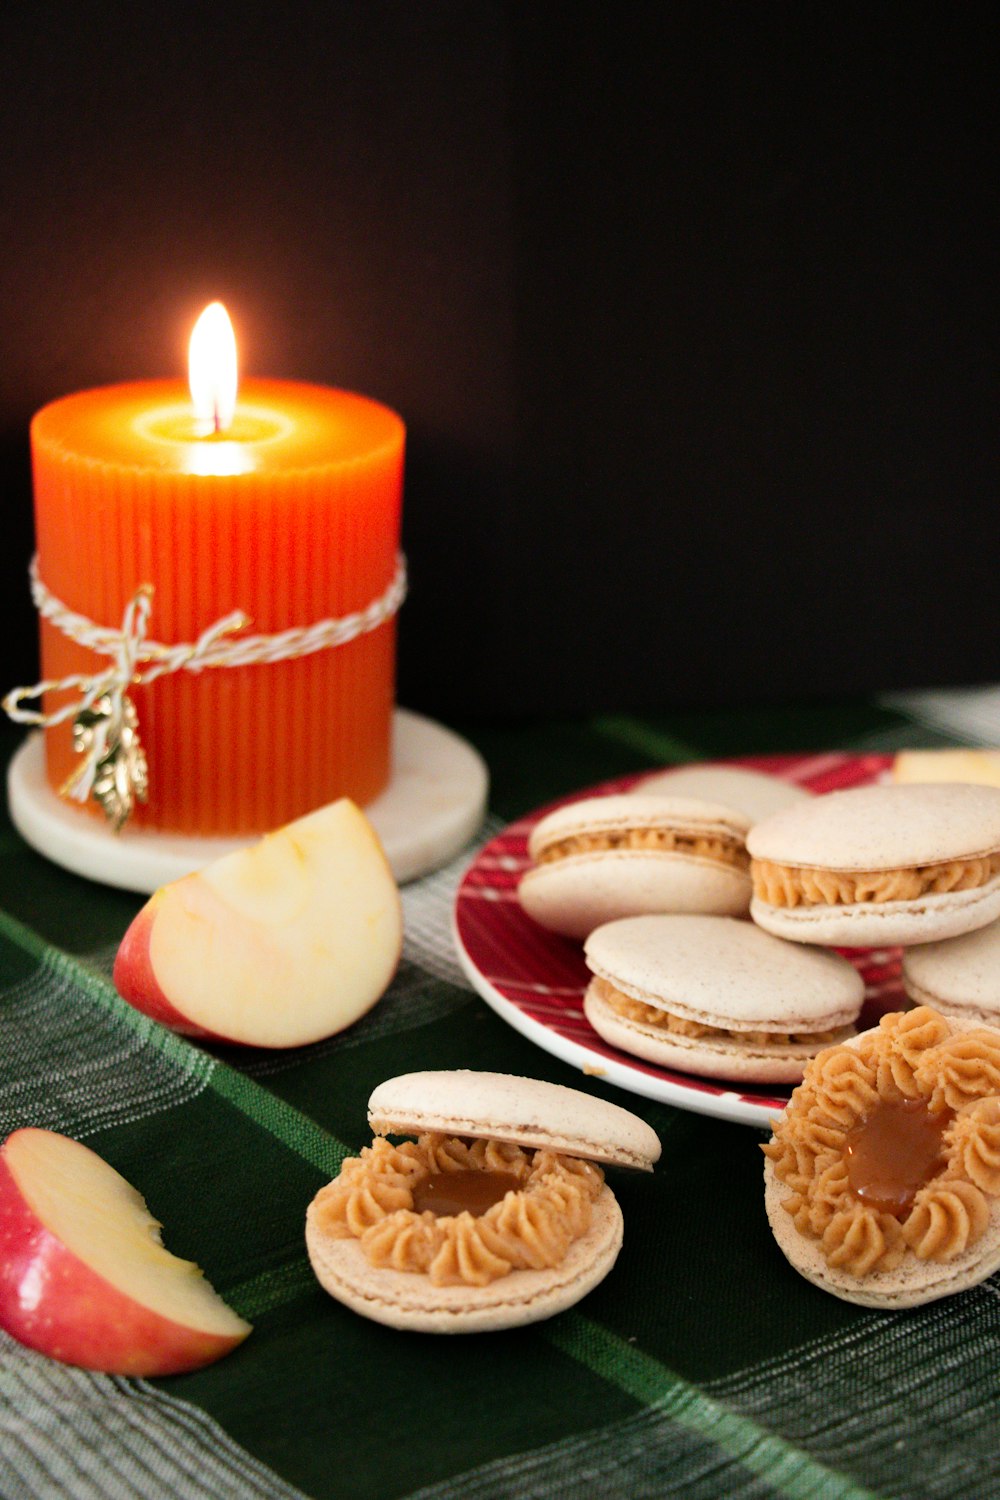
(276, 945)
(84, 1277)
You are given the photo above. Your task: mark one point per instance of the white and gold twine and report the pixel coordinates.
(135, 660)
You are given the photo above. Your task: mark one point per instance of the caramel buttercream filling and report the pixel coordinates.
(796, 885)
(376, 1200)
(892, 1148)
(723, 850)
(631, 1009)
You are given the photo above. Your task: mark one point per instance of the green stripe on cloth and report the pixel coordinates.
(265, 1293)
(267, 1111)
(100, 992)
(286, 1124)
(658, 745)
(930, 1377)
(789, 1470)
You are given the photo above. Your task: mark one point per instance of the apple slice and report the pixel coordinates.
(275, 945)
(981, 766)
(83, 1275)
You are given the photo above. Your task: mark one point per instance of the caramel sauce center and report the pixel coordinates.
(447, 1194)
(893, 1152)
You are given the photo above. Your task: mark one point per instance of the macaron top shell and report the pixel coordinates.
(883, 827)
(505, 1107)
(726, 972)
(620, 812)
(958, 975)
(755, 793)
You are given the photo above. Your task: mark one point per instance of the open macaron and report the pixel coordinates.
(879, 865)
(495, 1216)
(958, 976)
(717, 997)
(882, 1176)
(627, 854)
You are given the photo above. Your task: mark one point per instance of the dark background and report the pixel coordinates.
(688, 309)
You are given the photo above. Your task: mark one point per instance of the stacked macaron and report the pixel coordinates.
(617, 856)
(897, 864)
(717, 997)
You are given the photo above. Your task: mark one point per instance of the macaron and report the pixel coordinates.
(879, 865)
(959, 976)
(758, 794)
(496, 1216)
(717, 997)
(626, 854)
(882, 1176)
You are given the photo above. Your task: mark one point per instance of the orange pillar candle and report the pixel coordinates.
(290, 514)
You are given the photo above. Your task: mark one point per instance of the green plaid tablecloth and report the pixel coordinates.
(703, 1366)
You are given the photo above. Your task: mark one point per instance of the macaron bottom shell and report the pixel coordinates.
(909, 1285)
(876, 924)
(707, 1057)
(409, 1300)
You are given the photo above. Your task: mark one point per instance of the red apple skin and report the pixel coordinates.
(278, 944)
(135, 981)
(54, 1303)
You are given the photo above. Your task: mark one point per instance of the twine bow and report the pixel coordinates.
(105, 729)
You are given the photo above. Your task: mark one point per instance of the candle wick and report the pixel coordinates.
(216, 418)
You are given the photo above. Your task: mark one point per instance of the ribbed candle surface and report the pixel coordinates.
(293, 517)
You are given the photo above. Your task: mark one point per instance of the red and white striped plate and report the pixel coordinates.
(535, 980)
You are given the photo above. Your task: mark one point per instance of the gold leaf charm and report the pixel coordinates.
(114, 772)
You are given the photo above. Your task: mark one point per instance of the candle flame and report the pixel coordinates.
(212, 368)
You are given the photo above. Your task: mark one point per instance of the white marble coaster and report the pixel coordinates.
(432, 807)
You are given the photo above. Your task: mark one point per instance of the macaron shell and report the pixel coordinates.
(619, 811)
(959, 976)
(871, 924)
(722, 972)
(910, 1285)
(883, 827)
(706, 1057)
(574, 895)
(409, 1300)
(506, 1107)
(756, 794)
